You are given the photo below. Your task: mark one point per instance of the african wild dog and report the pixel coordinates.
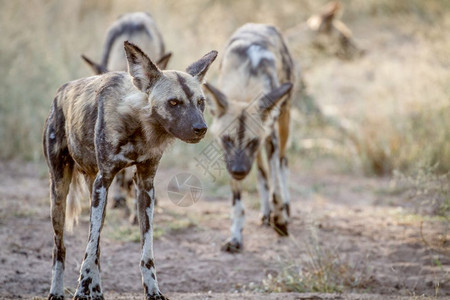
(140, 29)
(251, 112)
(101, 124)
(324, 31)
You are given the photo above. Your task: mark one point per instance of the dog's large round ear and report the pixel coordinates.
(144, 72)
(199, 68)
(217, 103)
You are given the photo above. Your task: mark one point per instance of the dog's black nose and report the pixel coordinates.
(199, 128)
(238, 171)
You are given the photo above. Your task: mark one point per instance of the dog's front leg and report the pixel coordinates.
(280, 217)
(89, 284)
(235, 243)
(146, 204)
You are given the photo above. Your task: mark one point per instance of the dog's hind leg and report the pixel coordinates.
(59, 188)
(60, 166)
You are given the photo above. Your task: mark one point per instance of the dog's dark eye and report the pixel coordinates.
(253, 144)
(228, 142)
(200, 101)
(174, 102)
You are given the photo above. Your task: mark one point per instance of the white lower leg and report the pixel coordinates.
(238, 215)
(57, 287)
(264, 194)
(147, 265)
(284, 185)
(89, 283)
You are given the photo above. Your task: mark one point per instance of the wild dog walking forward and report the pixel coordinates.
(251, 112)
(140, 29)
(99, 125)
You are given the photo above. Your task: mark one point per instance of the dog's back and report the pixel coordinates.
(255, 59)
(138, 28)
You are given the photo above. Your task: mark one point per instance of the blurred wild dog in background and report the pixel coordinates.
(325, 32)
(251, 112)
(140, 29)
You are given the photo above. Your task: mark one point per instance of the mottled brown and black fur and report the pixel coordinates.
(101, 124)
(251, 112)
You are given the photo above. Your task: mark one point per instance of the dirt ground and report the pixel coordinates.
(373, 231)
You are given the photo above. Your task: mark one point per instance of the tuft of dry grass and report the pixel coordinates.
(426, 188)
(322, 269)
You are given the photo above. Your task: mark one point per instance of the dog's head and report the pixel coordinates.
(176, 100)
(241, 128)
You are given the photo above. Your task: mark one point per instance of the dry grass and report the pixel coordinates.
(320, 269)
(395, 97)
(426, 189)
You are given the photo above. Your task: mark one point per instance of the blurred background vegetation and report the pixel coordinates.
(383, 111)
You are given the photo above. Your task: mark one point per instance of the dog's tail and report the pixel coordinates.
(77, 190)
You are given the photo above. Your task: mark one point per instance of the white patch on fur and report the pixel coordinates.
(91, 249)
(52, 135)
(147, 249)
(238, 217)
(121, 157)
(57, 279)
(152, 284)
(284, 174)
(101, 191)
(151, 194)
(274, 163)
(96, 221)
(256, 53)
(132, 102)
(94, 274)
